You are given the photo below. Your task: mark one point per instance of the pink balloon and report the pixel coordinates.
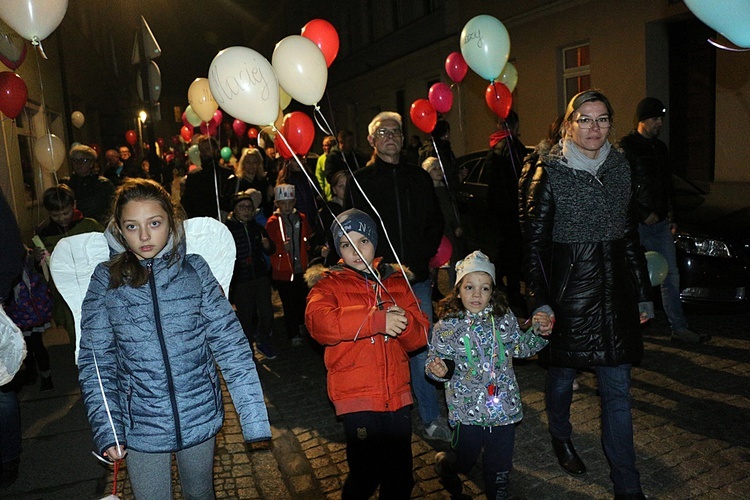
(239, 127)
(456, 67)
(441, 97)
(443, 254)
(217, 118)
(209, 128)
(185, 121)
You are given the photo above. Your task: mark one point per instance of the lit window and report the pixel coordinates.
(576, 70)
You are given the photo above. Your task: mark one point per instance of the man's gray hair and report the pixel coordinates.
(385, 115)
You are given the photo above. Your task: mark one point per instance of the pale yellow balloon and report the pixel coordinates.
(202, 100)
(77, 119)
(284, 98)
(508, 77)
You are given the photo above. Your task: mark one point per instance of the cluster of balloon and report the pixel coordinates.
(226, 153)
(77, 119)
(423, 115)
(201, 100)
(485, 45)
(13, 94)
(244, 84)
(34, 20)
(49, 151)
(12, 47)
(731, 18)
(441, 97)
(657, 267)
(131, 137)
(498, 99)
(456, 67)
(299, 131)
(239, 127)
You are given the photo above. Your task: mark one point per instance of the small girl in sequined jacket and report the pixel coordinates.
(471, 352)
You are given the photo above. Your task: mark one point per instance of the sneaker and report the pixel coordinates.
(297, 341)
(267, 350)
(46, 384)
(690, 337)
(438, 430)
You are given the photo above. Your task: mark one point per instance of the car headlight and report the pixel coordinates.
(697, 245)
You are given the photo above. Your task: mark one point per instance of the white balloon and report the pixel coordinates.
(301, 69)
(33, 19)
(244, 85)
(485, 45)
(49, 151)
(77, 119)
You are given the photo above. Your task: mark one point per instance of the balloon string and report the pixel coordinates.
(314, 186)
(445, 179)
(10, 170)
(460, 110)
(44, 108)
(327, 129)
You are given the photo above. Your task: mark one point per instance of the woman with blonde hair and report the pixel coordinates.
(249, 173)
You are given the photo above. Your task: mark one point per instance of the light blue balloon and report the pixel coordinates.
(194, 155)
(657, 267)
(731, 18)
(485, 45)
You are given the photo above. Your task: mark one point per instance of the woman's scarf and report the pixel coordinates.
(579, 161)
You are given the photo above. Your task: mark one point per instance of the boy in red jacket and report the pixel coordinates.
(364, 313)
(289, 231)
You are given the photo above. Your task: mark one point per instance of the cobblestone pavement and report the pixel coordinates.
(691, 409)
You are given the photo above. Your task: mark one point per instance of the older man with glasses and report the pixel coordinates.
(93, 192)
(403, 195)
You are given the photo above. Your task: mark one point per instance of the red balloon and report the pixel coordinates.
(443, 254)
(239, 127)
(96, 148)
(187, 133)
(209, 128)
(252, 133)
(325, 37)
(160, 142)
(13, 94)
(131, 137)
(423, 115)
(217, 118)
(456, 67)
(185, 120)
(18, 62)
(441, 97)
(175, 139)
(299, 131)
(499, 99)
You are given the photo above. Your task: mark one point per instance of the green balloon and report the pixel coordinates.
(226, 153)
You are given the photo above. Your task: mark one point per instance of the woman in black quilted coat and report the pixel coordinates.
(586, 271)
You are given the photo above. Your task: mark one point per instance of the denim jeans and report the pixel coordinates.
(10, 426)
(617, 423)
(424, 390)
(658, 237)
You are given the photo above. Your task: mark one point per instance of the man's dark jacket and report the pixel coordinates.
(651, 176)
(405, 198)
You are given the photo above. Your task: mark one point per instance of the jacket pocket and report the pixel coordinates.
(568, 272)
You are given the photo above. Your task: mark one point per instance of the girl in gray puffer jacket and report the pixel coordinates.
(154, 325)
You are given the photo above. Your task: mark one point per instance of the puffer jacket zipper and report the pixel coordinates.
(163, 345)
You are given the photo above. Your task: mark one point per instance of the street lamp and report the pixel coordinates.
(142, 117)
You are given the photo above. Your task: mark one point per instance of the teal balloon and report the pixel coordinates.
(657, 267)
(485, 45)
(194, 154)
(731, 18)
(226, 153)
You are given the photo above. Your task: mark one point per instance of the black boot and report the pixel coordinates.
(445, 466)
(567, 457)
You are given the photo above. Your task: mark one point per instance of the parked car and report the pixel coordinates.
(713, 243)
